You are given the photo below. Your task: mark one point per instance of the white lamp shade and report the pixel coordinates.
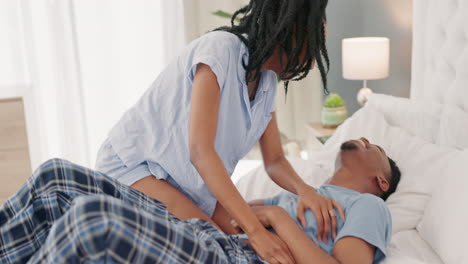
(366, 58)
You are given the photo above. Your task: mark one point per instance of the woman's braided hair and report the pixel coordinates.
(266, 24)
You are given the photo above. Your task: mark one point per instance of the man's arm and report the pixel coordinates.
(353, 250)
(347, 250)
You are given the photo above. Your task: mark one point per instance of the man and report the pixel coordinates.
(363, 174)
(45, 223)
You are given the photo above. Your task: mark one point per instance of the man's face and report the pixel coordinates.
(360, 154)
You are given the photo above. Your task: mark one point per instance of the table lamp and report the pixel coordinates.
(365, 59)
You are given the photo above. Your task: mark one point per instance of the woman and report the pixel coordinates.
(181, 142)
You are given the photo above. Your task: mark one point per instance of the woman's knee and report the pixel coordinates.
(47, 173)
(94, 213)
(89, 205)
(87, 228)
(62, 175)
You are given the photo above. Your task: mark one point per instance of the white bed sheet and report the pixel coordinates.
(256, 184)
(244, 167)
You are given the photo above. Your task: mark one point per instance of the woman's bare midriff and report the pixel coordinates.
(177, 203)
(180, 205)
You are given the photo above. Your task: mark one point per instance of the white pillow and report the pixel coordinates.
(444, 225)
(420, 162)
(257, 184)
(409, 245)
(418, 118)
(401, 259)
(366, 122)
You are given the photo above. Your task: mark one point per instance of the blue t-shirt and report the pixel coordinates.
(155, 130)
(366, 217)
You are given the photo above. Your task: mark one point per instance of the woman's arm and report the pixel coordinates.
(276, 165)
(202, 133)
(282, 173)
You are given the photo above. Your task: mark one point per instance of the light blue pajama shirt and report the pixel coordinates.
(152, 137)
(366, 217)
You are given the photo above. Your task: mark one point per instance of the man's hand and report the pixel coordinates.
(323, 209)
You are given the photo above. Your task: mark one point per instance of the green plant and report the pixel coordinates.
(333, 100)
(221, 13)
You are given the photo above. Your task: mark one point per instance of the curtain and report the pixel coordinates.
(53, 102)
(88, 62)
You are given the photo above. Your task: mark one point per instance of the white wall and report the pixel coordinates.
(394, 19)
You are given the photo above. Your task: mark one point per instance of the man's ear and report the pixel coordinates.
(382, 182)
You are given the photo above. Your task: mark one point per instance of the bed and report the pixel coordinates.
(426, 134)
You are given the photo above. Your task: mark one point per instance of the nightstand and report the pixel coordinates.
(317, 135)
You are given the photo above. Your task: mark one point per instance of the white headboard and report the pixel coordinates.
(440, 64)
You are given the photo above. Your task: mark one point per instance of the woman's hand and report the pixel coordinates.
(270, 247)
(266, 244)
(323, 209)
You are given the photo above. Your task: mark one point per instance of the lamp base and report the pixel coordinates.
(362, 95)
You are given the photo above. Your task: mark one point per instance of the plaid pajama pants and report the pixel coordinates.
(69, 214)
